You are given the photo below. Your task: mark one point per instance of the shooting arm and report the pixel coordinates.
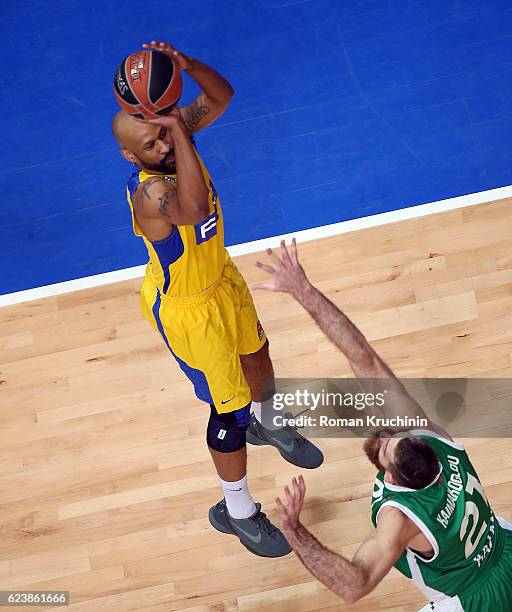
(213, 99)
(352, 580)
(192, 191)
(184, 204)
(216, 91)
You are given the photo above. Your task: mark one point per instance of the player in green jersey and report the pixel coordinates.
(431, 516)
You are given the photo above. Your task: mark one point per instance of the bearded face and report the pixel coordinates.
(167, 165)
(373, 445)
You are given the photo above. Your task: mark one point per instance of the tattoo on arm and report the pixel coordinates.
(165, 201)
(145, 190)
(193, 114)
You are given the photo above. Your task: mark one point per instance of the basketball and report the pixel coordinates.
(147, 84)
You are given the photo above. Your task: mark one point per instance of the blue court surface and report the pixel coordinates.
(343, 109)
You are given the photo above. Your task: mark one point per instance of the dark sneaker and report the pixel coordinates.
(256, 533)
(293, 447)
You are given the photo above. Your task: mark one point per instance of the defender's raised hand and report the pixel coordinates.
(289, 511)
(286, 272)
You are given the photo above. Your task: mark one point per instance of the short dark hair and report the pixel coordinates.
(415, 464)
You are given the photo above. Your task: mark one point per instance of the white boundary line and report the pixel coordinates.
(314, 233)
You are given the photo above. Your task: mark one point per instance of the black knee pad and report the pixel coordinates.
(226, 432)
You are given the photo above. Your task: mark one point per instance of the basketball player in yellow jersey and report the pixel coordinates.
(194, 296)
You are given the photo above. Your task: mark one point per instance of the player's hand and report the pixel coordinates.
(183, 61)
(289, 510)
(173, 121)
(286, 273)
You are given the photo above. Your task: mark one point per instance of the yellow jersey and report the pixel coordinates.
(192, 257)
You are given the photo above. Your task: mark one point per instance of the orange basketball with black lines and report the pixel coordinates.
(147, 84)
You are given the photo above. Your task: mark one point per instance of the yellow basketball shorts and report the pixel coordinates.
(207, 332)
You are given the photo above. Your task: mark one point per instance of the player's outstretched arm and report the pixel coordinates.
(287, 275)
(186, 204)
(216, 90)
(350, 580)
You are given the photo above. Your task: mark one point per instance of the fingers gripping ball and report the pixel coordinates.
(147, 84)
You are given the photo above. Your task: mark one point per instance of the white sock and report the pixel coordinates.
(256, 408)
(238, 499)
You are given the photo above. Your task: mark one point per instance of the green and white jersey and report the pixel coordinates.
(455, 517)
